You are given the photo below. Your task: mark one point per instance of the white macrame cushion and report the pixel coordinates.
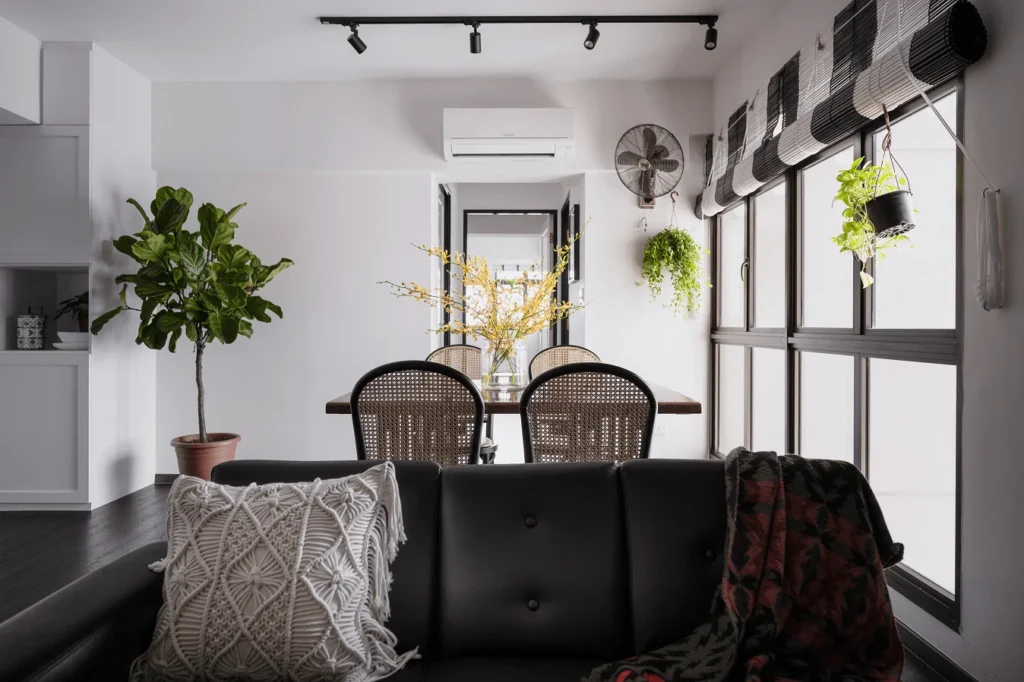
(287, 581)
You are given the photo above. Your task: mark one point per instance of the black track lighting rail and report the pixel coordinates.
(703, 19)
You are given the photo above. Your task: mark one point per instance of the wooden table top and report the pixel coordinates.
(669, 402)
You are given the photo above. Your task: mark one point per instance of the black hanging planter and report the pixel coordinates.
(891, 213)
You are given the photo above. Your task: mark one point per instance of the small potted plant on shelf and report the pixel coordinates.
(78, 308)
(878, 213)
(676, 251)
(196, 284)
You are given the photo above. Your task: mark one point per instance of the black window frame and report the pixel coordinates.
(861, 341)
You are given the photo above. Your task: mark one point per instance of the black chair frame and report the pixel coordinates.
(583, 368)
(424, 366)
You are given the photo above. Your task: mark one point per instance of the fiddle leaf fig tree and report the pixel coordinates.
(196, 284)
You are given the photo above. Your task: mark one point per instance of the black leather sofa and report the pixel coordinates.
(518, 573)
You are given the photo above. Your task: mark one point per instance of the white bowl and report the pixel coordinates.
(77, 338)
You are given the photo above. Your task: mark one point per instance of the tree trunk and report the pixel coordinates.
(201, 391)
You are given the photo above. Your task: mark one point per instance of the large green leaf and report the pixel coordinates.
(234, 211)
(152, 289)
(228, 329)
(152, 249)
(102, 320)
(276, 309)
(124, 294)
(148, 306)
(127, 279)
(224, 233)
(209, 217)
(192, 259)
(141, 211)
(169, 322)
(153, 337)
(191, 333)
(231, 295)
(216, 329)
(124, 244)
(172, 344)
(181, 195)
(171, 216)
(257, 307)
(233, 256)
(245, 328)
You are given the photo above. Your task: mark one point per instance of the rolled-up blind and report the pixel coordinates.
(836, 85)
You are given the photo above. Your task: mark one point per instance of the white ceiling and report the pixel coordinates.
(273, 40)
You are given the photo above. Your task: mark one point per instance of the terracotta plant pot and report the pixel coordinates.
(198, 459)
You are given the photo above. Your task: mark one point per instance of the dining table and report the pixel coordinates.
(507, 402)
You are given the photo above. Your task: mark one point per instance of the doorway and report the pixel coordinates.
(515, 243)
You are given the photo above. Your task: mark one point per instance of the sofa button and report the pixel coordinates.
(710, 555)
(530, 522)
(533, 605)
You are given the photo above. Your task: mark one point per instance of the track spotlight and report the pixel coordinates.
(592, 35)
(475, 46)
(711, 38)
(355, 41)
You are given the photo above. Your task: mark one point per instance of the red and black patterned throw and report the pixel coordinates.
(803, 594)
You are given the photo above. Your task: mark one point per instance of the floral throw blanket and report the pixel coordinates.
(803, 595)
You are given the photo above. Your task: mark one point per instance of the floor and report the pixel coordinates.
(41, 552)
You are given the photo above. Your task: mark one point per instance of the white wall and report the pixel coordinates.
(622, 325)
(341, 177)
(20, 82)
(993, 375)
(122, 385)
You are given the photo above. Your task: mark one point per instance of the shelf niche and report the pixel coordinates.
(42, 288)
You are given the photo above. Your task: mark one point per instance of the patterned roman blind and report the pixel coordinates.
(836, 84)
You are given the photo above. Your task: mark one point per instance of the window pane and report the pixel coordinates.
(915, 288)
(826, 406)
(731, 402)
(827, 274)
(732, 229)
(770, 258)
(912, 461)
(768, 398)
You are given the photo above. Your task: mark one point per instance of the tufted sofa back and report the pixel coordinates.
(549, 560)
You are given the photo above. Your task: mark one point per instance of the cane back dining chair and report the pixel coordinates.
(469, 360)
(556, 356)
(585, 412)
(417, 410)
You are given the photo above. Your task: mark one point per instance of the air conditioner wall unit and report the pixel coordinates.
(508, 134)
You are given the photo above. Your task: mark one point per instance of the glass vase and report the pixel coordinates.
(505, 366)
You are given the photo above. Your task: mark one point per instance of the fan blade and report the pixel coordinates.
(628, 158)
(660, 152)
(650, 142)
(665, 165)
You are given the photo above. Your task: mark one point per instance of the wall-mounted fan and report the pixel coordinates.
(649, 162)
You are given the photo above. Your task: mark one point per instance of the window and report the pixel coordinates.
(732, 264)
(826, 276)
(808, 362)
(769, 266)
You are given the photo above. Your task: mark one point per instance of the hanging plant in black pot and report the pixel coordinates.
(879, 211)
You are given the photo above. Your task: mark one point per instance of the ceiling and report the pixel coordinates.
(280, 40)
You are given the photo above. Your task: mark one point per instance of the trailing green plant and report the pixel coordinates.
(196, 284)
(858, 185)
(676, 251)
(77, 307)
